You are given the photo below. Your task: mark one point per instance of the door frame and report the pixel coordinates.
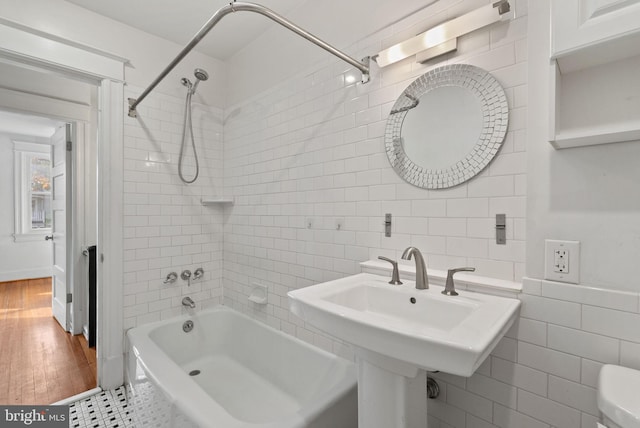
(31, 47)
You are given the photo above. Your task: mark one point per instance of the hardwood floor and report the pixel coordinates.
(40, 363)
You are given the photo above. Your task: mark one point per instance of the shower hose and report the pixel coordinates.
(187, 121)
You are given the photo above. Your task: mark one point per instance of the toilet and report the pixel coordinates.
(619, 396)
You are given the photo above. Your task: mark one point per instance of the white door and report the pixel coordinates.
(61, 224)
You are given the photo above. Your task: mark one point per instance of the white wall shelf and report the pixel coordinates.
(216, 201)
(595, 58)
(594, 105)
(596, 135)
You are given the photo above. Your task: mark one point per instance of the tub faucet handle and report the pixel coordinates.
(395, 276)
(171, 278)
(186, 276)
(198, 273)
(449, 288)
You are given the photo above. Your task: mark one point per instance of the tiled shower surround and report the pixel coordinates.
(166, 227)
(306, 165)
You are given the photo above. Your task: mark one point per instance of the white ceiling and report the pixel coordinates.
(22, 124)
(179, 21)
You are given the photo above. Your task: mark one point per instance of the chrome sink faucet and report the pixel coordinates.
(422, 281)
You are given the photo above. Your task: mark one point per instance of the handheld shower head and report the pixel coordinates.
(186, 82)
(200, 74)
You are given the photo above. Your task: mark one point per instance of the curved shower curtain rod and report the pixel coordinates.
(363, 65)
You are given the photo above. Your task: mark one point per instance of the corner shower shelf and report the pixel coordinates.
(216, 201)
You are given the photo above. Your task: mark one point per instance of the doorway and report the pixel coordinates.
(56, 57)
(44, 276)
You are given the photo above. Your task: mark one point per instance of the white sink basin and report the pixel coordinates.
(423, 328)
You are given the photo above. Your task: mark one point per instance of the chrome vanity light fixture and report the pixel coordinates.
(443, 38)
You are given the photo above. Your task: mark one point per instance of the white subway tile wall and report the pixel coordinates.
(550, 378)
(166, 228)
(308, 154)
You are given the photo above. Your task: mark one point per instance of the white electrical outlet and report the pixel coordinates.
(562, 261)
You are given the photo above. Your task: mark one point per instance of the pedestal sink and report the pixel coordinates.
(397, 330)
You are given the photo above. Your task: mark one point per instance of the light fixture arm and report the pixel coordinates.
(503, 6)
(363, 65)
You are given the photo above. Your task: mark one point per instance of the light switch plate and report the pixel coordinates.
(562, 261)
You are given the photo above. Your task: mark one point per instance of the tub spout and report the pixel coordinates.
(188, 302)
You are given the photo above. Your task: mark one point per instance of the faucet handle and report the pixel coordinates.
(171, 278)
(449, 288)
(198, 273)
(186, 276)
(395, 276)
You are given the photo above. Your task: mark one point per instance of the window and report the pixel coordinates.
(40, 177)
(32, 190)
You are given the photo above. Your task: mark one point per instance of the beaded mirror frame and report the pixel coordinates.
(495, 120)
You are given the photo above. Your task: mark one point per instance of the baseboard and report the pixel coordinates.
(112, 373)
(17, 275)
(78, 397)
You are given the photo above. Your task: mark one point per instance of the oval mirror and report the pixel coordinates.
(446, 126)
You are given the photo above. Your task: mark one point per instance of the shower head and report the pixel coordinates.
(200, 74)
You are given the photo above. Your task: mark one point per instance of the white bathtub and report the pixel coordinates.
(250, 376)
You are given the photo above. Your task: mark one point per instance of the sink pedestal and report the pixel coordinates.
(391, 393)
